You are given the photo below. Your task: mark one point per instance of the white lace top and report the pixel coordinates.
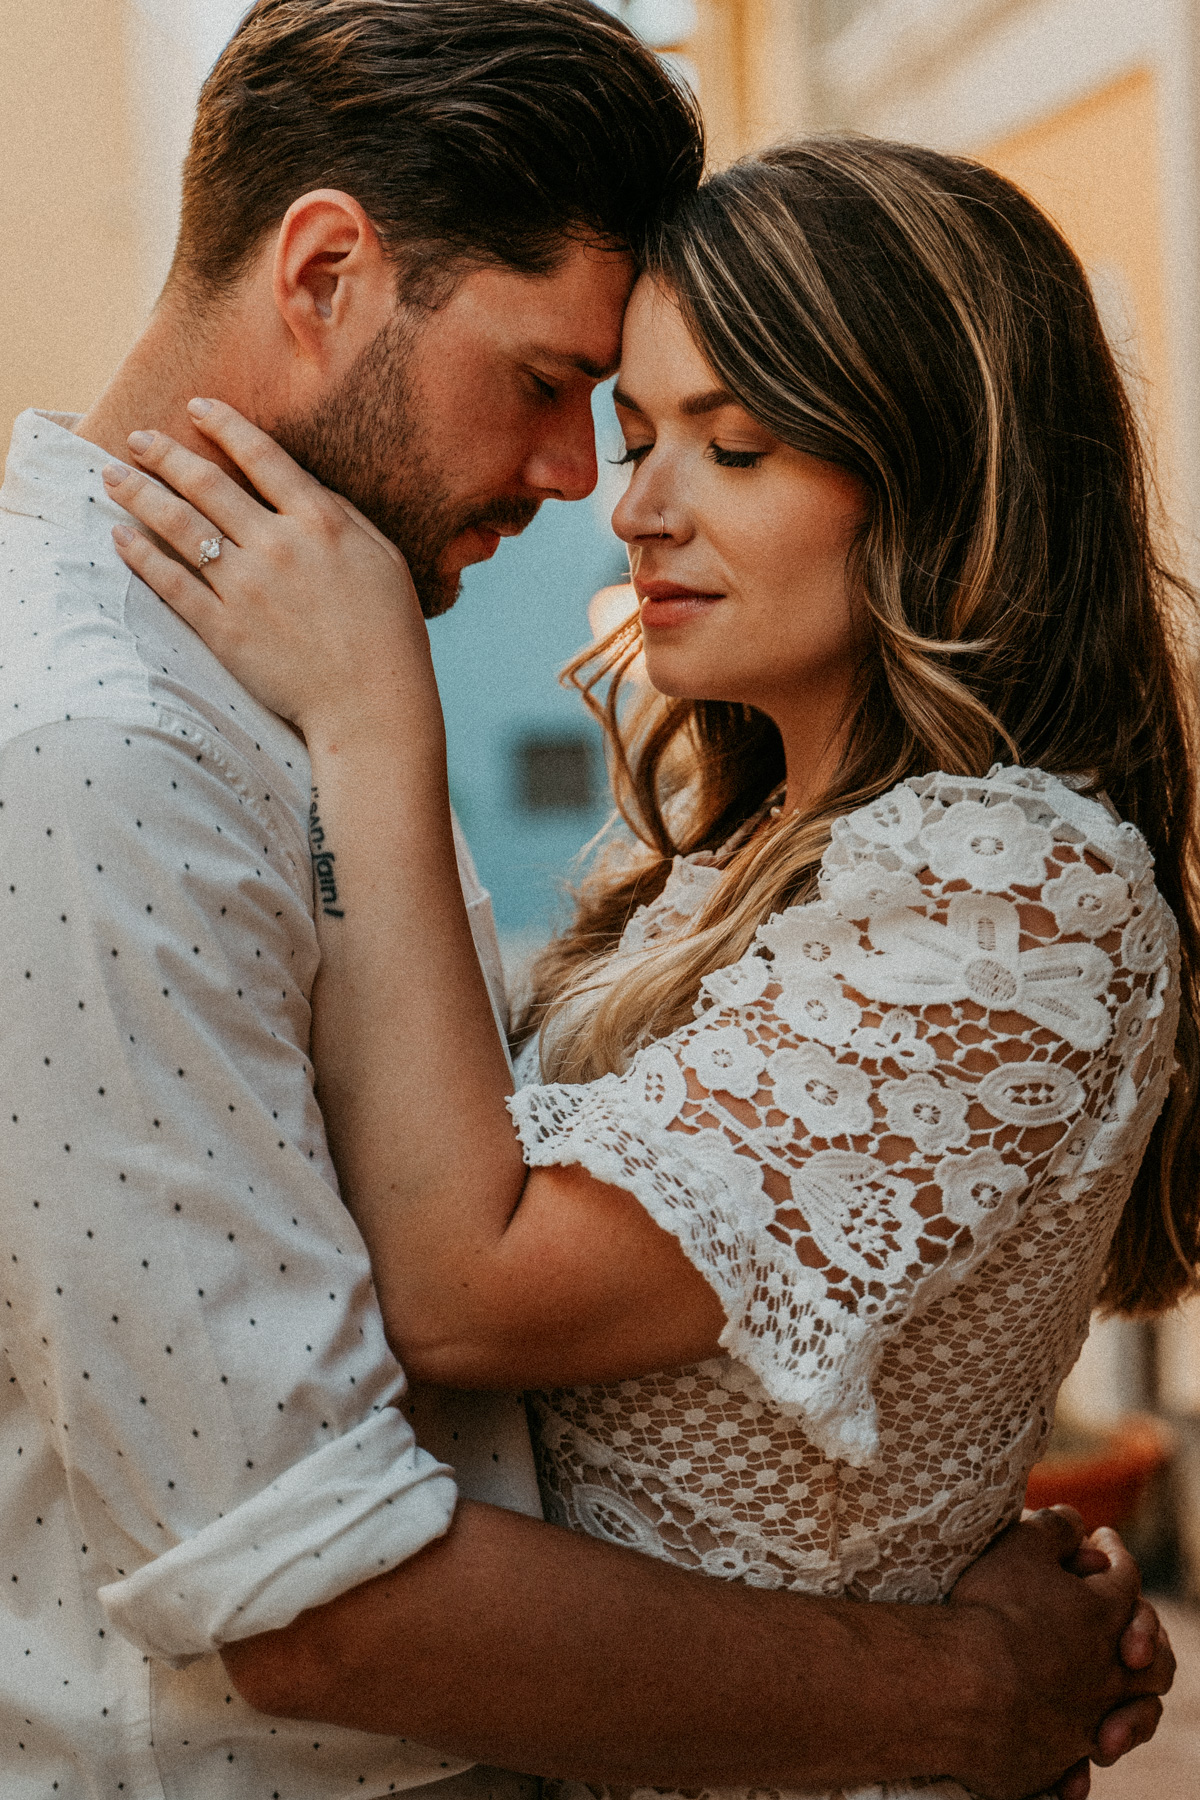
(896, 1139)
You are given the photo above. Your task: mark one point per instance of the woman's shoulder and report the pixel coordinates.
(995, 831)
(1012, 888)
(1016, 832)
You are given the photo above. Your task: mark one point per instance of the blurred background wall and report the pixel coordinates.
(1093, 106)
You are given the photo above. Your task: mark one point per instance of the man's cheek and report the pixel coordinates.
(487, 448)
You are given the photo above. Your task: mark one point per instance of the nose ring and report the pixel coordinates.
(662, 525)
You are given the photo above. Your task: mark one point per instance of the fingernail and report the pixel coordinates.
(140, 441)
(114, 473)
(198, 408)
(123, 534)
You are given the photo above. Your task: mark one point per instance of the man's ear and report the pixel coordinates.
(333, 286)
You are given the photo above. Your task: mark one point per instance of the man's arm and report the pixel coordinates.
(530, 1647)
(185, 1302)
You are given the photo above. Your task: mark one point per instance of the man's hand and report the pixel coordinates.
(1143, 1641)
(522, 1645)
(1081, 1657)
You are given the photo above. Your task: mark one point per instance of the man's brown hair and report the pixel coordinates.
(470, 131)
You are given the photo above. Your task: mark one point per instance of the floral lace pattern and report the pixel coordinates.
(688, 886)
(896, 1139)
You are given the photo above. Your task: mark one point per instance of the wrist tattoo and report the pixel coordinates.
(323, 861)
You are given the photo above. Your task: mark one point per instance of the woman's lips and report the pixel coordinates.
(672, 603)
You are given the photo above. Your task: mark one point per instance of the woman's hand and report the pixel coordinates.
(310, 607)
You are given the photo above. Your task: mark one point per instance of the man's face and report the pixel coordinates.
(455, 424)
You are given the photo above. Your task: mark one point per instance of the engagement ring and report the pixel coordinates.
(210, 549)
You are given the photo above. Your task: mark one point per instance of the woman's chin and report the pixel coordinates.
(677, 679)
(674, 687)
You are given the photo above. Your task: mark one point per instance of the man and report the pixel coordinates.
(406, 249)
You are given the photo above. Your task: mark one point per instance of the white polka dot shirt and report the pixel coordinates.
(198, 1429)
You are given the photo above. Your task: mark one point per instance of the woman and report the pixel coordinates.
(876, 1067)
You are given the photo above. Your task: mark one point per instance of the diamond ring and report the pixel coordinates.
(210, 549)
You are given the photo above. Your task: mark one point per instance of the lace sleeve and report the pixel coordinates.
(866, 1101)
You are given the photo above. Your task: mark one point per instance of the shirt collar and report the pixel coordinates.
(53, 475)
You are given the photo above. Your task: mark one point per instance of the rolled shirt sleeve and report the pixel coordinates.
(318, 1530)
(187, 1305)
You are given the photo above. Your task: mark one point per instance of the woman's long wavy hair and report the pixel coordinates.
(915, 319)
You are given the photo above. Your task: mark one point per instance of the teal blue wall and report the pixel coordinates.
(497, 654)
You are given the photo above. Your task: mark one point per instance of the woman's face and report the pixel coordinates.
(738, 543)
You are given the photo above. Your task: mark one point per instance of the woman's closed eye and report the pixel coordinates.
(735, 459)
(724, 459)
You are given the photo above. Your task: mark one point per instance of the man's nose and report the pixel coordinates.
(563, 463)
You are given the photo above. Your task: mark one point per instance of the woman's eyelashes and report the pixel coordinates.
(716, 452)
(735, 459)
(724, 459)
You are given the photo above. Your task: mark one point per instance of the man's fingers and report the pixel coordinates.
(187, 594)
(1089, 1559)
(1144, 1647)
(1076, 1784)
(1062, 1528)
(1126, 1728)
(1140, 1640)
(1121, 1582)
(1159, 1676)
(283, 483)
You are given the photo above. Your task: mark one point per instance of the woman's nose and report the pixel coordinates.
(638, 517)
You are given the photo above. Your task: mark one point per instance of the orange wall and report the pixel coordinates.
(1094, 168)
(751, 57)
(69, 302)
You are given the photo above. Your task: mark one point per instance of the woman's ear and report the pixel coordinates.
(333, 286)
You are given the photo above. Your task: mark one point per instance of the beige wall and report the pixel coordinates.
(95, 105)
(1094, 168)
(755, 73)
(67, 216)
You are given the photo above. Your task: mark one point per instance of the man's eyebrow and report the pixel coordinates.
(712, 400)
(593, 370)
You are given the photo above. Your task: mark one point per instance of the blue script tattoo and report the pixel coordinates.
(323, 861)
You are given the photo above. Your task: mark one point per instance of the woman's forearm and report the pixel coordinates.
(487, 1275)
(412, 1075)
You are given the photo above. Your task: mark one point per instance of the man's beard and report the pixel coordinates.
(364, 441)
